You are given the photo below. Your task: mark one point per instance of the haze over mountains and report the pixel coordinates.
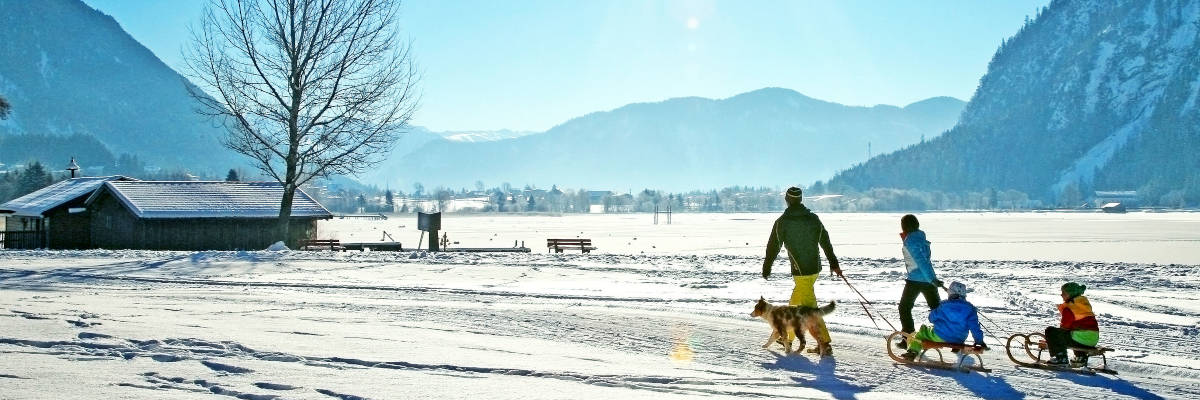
(1090, 95)
(69, 69)
(773, 137)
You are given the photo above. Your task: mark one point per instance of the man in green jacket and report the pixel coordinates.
(800, 231)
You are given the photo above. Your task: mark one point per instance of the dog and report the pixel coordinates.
(795, 318)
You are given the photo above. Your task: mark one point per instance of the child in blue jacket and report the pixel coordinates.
(952, 320)
(920, 278)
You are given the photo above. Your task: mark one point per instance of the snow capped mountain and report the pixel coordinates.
(1089, 95)
(69, 69)
(483, 136)
(770, 137)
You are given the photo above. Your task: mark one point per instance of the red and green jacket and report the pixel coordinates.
(1077, 317)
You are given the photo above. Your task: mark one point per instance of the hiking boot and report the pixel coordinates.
(1079, 361)
(909, 355)
(902, 344)
(1058, 361)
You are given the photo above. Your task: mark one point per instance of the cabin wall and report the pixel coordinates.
(112, 226)
(68, 231)
(115, 227)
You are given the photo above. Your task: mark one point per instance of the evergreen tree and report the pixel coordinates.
(128, 164)
(34, 177)
(5, 108)
(232, 176)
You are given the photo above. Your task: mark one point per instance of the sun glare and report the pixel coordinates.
(693, 23)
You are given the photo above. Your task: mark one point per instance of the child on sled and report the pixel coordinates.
(1076, 328)
(952, 320)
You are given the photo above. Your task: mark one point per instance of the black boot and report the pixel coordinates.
(1058, 360)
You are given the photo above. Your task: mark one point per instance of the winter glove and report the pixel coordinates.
(937, 283)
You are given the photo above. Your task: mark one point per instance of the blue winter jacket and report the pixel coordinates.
(953, 318)
(916, 258)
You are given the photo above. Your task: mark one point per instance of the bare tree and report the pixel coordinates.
(306, 88)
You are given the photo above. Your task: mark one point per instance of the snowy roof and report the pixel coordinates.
(44, 199)
(199, 199)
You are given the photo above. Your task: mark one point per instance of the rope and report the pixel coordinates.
(999, 339)
(864, 302)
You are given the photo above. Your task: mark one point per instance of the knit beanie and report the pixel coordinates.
(1073, 289)
(957, 289)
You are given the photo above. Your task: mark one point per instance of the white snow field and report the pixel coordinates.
(670, 323)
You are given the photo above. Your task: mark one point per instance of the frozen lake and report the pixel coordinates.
(1162, 238)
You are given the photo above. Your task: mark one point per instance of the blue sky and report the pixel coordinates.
(530, 65)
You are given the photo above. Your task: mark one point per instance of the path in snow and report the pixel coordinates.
(376, 325)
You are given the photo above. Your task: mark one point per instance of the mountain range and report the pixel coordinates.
(770, 137)
(1087, 96)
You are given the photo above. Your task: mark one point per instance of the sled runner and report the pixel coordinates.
(1034, 346)
(961, 350)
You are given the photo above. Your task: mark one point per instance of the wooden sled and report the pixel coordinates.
(961, 350)
(1034, 346)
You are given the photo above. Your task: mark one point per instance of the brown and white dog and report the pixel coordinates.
(795, 318)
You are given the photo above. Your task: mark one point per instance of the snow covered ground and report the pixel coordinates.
(662, 316)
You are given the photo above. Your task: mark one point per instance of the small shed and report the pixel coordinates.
(53, 216)
(1128, 198)
(1116, 208)
(197, 215)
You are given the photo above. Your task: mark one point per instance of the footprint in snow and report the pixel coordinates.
(90, 335)
(274, 386)
(215, 366)
(82, 324)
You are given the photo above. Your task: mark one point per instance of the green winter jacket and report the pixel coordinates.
(800, 231)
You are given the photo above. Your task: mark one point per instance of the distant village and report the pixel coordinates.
(346, 196)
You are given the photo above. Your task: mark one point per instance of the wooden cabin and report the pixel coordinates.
(197, 215)
(51, 217)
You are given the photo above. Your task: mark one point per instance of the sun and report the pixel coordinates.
(693, 23)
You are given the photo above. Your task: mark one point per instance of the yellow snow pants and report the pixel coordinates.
(803, 295)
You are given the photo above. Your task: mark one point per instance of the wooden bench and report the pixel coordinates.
(321, 244)
(558, 245)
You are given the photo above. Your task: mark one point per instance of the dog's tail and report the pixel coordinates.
(828, 309)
